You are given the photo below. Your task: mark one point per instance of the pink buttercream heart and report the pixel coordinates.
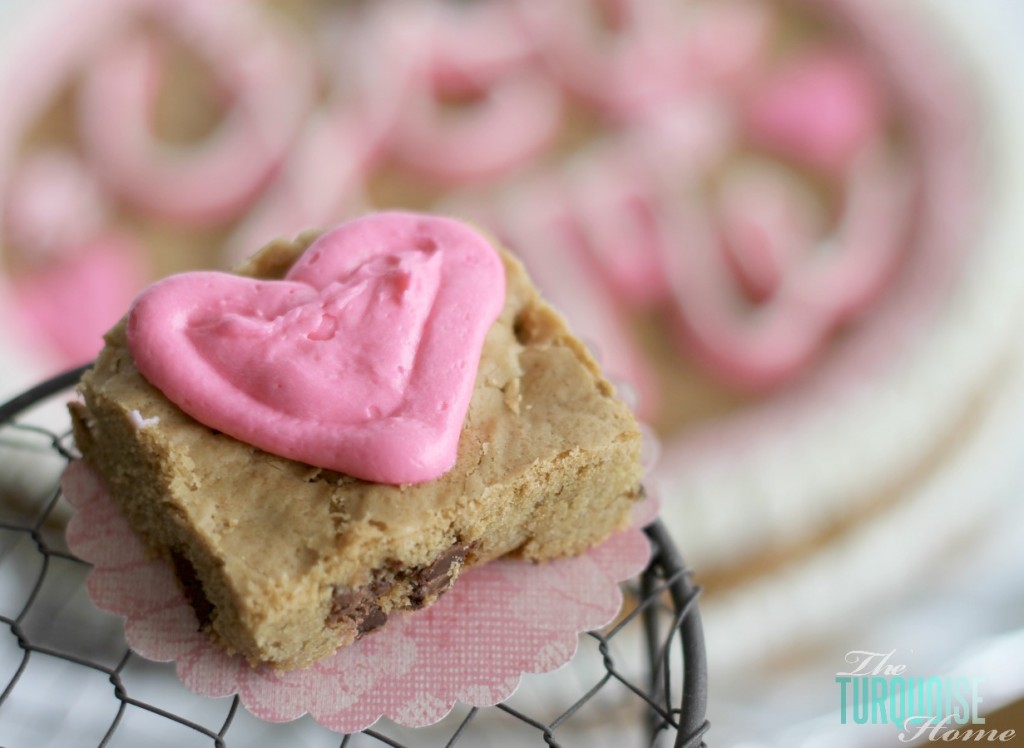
(361, 360)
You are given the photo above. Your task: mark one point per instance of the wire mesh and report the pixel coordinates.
(68, 677)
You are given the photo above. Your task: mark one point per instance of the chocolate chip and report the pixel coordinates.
(192, 587)
(347, 606)
(373, 620)
(361, 607)
(432, 580)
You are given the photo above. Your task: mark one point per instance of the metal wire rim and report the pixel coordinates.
(665, 587)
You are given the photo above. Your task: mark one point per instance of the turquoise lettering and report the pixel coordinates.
(960, 706)
(878, 702)
(897, 701)
(931, 698)
(843, 682)
(861, 701)
(976, 718)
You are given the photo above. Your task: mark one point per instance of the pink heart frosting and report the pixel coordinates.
(361, 360)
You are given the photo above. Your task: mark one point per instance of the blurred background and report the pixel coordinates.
(792, 230)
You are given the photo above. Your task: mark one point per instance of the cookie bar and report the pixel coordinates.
(285, 562)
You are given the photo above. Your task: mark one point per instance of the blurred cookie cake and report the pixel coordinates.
(764, 216)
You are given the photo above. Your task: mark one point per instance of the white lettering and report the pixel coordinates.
(864, 659)
(917, 726)
(923, 723)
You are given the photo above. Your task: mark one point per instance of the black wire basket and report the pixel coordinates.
(68, 677)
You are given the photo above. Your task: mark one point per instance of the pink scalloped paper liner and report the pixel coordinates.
(499, 621)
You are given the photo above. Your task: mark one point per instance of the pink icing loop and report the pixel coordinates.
(766, 218)
(800, 278)
(867, 240)
(727, 42)
(508, 110)
(365, 99)
(267, 86)
(821, 108)
(322, 178)
(752, 348)
(621, 57)
(361, 360)
(53, 202)
(614, 223)
(477, 41)
(343, 140)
